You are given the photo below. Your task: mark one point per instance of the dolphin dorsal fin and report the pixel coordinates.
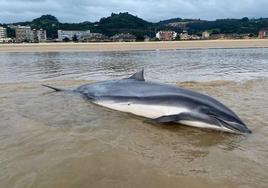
(138, 75)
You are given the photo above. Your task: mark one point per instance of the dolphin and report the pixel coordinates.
(162, 103)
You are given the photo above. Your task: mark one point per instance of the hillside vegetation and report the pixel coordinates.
(128, 23)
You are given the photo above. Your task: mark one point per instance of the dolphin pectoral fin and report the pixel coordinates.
(166, 119)
(138, 76)
(172, 118)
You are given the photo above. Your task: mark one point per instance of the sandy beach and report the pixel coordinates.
(133, 46)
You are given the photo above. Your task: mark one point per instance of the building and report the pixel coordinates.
(26, 34)
(205, 35)
(94, 37)
(186, 36)
(64, 34)
(166, 35)
(6, 40)
(39, 35)
(23, 34)
(263, 33)
(123, 37)
(3, 32)
(3, 36)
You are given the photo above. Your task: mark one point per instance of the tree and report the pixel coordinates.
(10, 32)
(66, 39)
(75, 39)
(245, 19)
(215, 31)
(47, 22)
(178, 37)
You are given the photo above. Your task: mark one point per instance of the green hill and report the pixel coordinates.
(123, 20)
(47, 22)
(123, 23)
(128, 23)
(228, 26)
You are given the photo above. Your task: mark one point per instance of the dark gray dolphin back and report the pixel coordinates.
(135, 88)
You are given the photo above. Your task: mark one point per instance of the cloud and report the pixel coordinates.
(152, 10)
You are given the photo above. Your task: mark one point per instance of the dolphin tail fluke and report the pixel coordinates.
(54, 88)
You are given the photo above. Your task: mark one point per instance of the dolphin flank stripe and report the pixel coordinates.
(162, 103)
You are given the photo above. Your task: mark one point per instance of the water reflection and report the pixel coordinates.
(167, 66)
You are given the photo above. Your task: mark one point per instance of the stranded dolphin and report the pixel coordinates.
(162, 103)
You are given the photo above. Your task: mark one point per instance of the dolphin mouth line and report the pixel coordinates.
(234, 127)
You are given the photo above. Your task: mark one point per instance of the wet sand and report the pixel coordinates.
(54, 140)
(132, 46)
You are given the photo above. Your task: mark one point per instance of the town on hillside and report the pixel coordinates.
(124, 27)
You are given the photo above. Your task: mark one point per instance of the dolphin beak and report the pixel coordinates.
(240, 128)
(237, 127)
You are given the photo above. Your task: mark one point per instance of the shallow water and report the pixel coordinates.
(165, 66)
(50, 139)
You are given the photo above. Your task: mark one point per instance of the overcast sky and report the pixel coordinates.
(151, 10)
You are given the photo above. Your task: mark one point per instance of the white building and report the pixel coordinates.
(62, 34)
(166, 35)
(3, 32)
(6, 40)
(205, 35)
(186, 36)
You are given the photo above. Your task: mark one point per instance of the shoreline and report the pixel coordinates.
(133, 46)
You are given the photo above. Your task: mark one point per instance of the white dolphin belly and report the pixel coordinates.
(156, 111)
(145, 110)
(204, 125)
